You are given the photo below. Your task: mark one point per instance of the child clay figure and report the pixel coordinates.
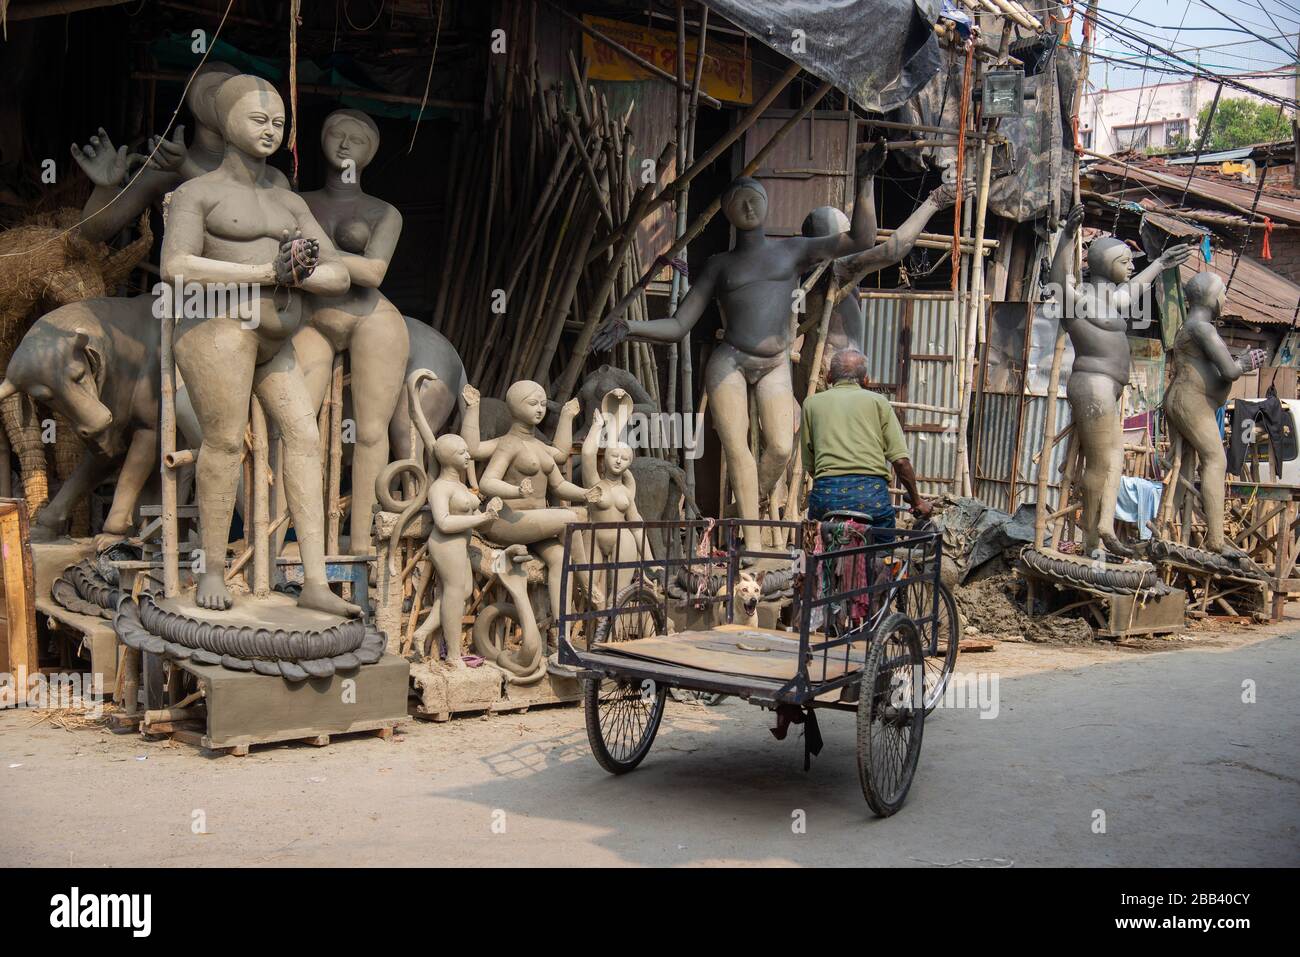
(1096, 316)
(226, 227)
(455, 515)
(521, 468)
(1204, 371)
(112, 206)
(361, 321)
(616, 488)
(754, 283)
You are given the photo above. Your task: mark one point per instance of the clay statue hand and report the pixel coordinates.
(594, 495)
(946, 195)
(571, 408)
(1252, 359)
(493, 507)
(526, 487)
(1175, 256)
(870, 161)
(105, 165)
(470, 395)
(297, 259)
(1073, 218)
(167, 155)
(609, 335)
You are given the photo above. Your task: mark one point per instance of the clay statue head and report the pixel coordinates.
(1110, 259)
(1206, 289)
(825, 221)
(452, 452)
(251, 114)
(745, 203)
(349, 136)
(618, 458)
(527, 403)
(63, 372)
(202, 95)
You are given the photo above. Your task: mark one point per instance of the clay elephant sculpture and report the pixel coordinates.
(96, 363)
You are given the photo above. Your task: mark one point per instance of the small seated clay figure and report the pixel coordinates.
(521, 469)
(1096, 315)
(361, 321)
(455, 514)
(616, 488)
(228, 227)
(1204, 371)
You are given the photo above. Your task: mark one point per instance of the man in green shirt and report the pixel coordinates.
(850, 438)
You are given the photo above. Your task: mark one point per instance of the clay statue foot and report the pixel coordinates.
(318, 596)
(1114, 546)
(212, 592)
(455, 662)
(106, 540)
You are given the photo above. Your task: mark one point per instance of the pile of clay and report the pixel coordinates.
(994, 607)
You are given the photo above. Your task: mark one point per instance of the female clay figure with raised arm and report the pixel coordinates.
(226, 227)
(455, 515)
(361, 321)
(616, 487)
(521, 469)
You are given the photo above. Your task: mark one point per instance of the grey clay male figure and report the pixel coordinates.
(754, 283)
(1096, 315)
(1204, 371)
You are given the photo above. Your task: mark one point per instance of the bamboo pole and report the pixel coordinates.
(260, 518)
(167, 441)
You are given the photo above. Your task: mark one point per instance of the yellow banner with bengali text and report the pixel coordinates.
(728, 73)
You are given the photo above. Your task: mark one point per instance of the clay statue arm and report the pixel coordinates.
(330, 277)
(672, 329)
(493, 482)
(369, 270)
(1171, 258)
(449, 524)
(183, 246)
(896, 247)
(862, 227)
(1062, 263)
(1215, 349)
(562, 443)
(590, 445)
(469, 430)
(567, 490)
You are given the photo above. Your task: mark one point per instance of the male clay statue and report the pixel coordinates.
(1204, 371)
(228, 227)
(361, 321)
(1096, 316)
(754, 284)
(111, 207)
(96, 363)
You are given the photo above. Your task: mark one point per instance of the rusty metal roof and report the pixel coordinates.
(1235, 198)
(1258, 295)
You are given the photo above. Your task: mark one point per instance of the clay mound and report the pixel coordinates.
(994, 608)
(1128, 578)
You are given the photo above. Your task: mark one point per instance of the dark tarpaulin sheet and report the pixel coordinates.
(880, 52)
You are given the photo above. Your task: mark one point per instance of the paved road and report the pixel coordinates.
(1184, 771)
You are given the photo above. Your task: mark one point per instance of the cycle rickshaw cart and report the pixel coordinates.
(865, 612)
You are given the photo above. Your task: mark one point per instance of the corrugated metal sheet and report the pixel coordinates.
(1283, 210)
(881, 343)
(993, 494)
(1033, 430)
(995, 444)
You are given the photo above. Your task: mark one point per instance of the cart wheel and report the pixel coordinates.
(890, 720)
(939, 639)
(622, 715)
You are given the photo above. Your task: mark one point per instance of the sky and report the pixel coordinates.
(1199, 30)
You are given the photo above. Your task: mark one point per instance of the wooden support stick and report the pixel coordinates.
(167, 440)
(260, 519)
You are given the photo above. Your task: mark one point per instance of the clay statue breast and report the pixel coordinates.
(352, 236)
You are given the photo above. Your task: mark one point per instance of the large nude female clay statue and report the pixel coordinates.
(754, 284)
(1096, 316)
(1204, 371)
(226, 227)
(521, 468)
(615, 487)
(361, 321)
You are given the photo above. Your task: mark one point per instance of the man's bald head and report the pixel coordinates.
(848, 364)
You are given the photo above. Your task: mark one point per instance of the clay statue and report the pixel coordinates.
(604, 380)
(521, 469)
(96, 363)
(616, 488)
(112, 206)
(455, 514)
(848, 322)
(360, 321)
(438, 396)
(1096, 316)
(1204, 371)
(226, 227)
(754, 284)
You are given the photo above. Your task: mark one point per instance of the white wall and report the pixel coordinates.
(1161, 109)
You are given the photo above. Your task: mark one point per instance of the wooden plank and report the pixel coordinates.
(746, 653)
(19, 649)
